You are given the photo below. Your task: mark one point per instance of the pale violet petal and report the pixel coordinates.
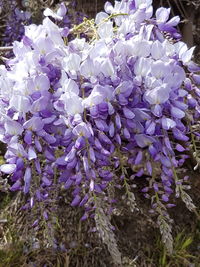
(8, 168)
(162, 14)
(49, 13)
(100, 16)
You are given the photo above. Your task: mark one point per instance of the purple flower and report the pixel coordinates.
(83, 110)
(71, 155)
(151, 128)
(128, 113)
(168, 123)
(27, 180)
(31, 153)
(143, 140)
(68, 183)
(28, 137)
(179, 135)
(82, 129)
(180, 148)
(16, 186)
(62, 10)
(84, 200)
(177, 113)
(138, 158)
(158, 95)
(165, 198)
(13, 128)
(76, 201)
(104, 138)
(34, 124)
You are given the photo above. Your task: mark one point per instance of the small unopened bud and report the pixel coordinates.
(196, 167)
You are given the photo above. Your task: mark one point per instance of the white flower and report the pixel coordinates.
(71, 63)
(72, 102)
(105, 30)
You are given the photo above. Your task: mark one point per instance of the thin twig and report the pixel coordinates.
(5, 48)
(180, 9)
(3, 58)
(184, 11)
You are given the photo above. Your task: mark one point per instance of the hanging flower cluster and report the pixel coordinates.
(80, 114)
(66, 16)
(15, 21)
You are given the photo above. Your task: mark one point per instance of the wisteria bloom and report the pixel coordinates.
(78, 114)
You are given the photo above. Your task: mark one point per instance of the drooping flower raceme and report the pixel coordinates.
(15, 20)
(80, 114)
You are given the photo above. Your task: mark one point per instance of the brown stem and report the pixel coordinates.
(5, 48)
(187, 30)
